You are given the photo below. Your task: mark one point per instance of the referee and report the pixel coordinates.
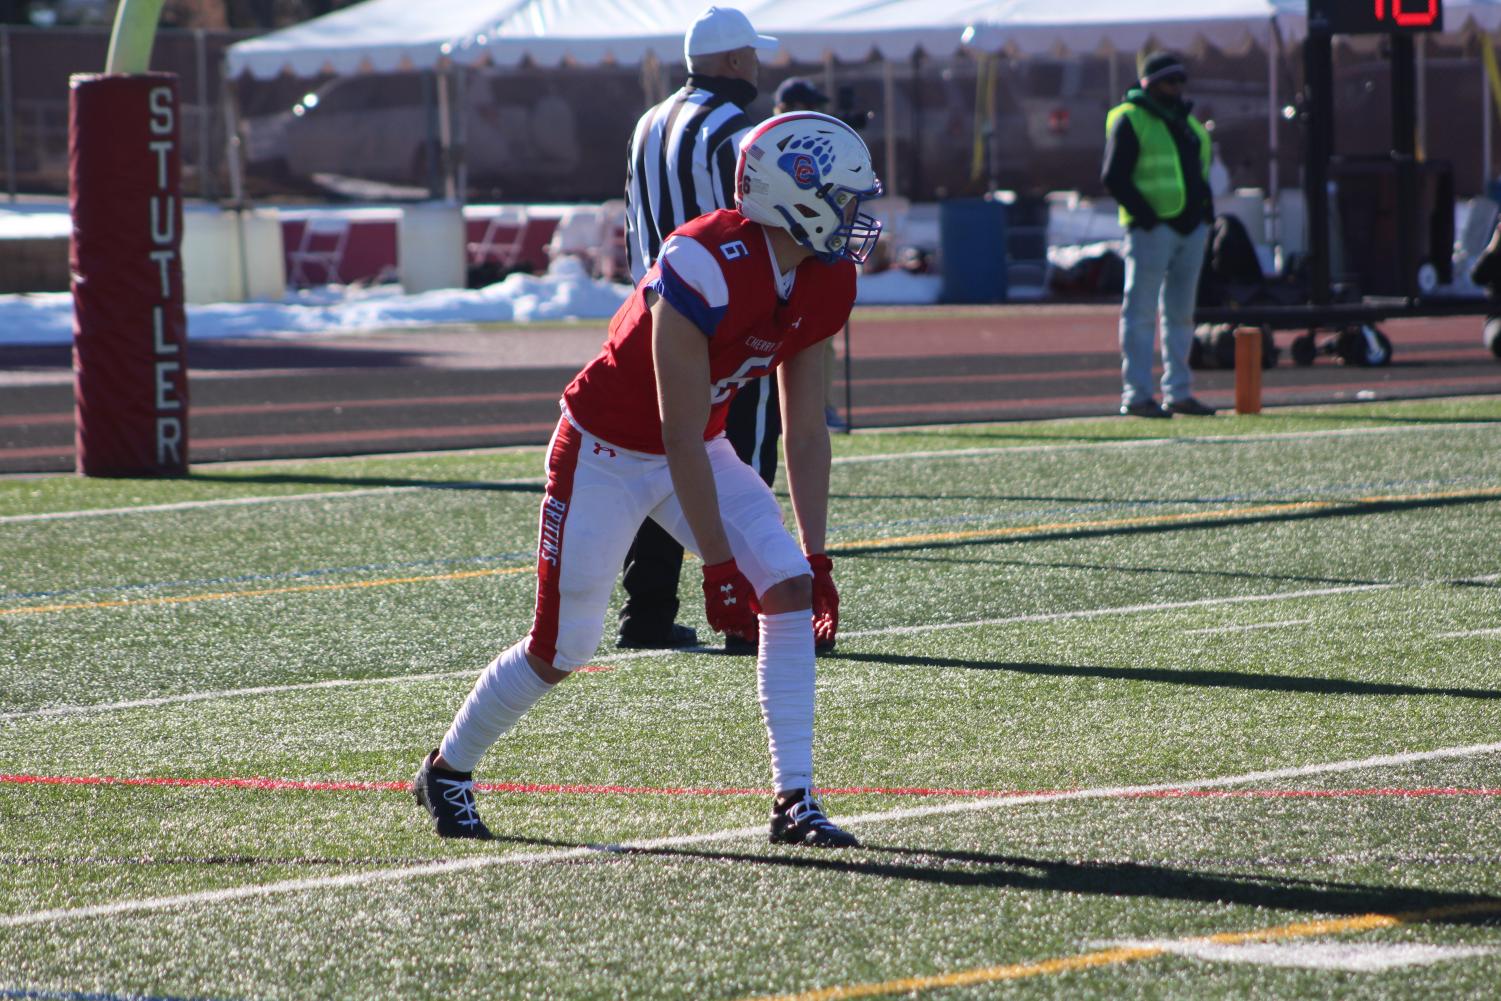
(681, 166)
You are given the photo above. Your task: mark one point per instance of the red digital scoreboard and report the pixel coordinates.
(1376, 17)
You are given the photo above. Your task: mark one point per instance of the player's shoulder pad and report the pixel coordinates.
(725, 233)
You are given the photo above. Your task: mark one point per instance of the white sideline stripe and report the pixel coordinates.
(1085, 613)
(483, 862)
(1227, 439)
(1166, 606)
(11, 519)
(1247, 628)
(1470, 632)
(302, 686)
(958, 453)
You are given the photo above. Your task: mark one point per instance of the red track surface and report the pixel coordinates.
(460, 388)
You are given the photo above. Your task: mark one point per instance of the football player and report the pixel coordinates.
(734, 295)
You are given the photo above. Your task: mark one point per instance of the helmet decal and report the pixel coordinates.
(802, 168)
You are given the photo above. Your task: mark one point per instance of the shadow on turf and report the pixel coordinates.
(306, 479)
(1175, 571)
(1347, 509)
(1187, 676)
(1119, 879)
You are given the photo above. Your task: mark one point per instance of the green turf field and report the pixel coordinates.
(1216, 714)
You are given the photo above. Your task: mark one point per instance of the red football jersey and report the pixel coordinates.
(718, 271)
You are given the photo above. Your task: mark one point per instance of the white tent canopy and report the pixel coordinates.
(1032, 26)
(392, 35)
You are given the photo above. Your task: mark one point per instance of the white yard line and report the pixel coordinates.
(1469, 632)
(1228, 439)
(120, 907)
(1085, 613)
(1244, 629)
(12, 519)
(962, 453)
(1165, 606)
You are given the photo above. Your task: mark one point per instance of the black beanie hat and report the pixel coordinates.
(1159, 65)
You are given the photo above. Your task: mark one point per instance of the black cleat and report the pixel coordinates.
(798, 819)
(449, 798)
(740, 646)
(677, 635)
(1191, 407)
(1145, 408)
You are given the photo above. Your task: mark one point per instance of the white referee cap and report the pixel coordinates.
(723, 29)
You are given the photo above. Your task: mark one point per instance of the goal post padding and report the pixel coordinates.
(129, 324)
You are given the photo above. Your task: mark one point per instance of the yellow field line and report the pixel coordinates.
(903, 540)
(1129, 954)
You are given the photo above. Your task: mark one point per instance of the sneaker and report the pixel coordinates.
(833, 420)
(449, 798)
(798, 819)
(1190, 407)
(1144, 408)
(676, 636)
(740, 646)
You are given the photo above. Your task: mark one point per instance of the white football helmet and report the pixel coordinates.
(807, 173)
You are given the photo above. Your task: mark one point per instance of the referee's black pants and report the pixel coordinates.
(655, 560)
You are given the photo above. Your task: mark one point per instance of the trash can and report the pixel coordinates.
(972, 239)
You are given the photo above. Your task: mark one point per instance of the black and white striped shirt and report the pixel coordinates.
(682, 163)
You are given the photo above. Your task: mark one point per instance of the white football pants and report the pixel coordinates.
(597, 496)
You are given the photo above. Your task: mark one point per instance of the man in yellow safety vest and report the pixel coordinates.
(1157, 157)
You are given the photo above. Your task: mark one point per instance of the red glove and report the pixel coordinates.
(729, 602)
(825, 603)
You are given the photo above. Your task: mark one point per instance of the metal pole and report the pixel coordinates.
(1420, 46)
(9, 110)
(888, 99)
(461, 131)
(1318, 139)
(233, 148)
(849, 401)
(445, 131)
(1485, 125)
(1404, 156)
(1273, 230)
(205, 110)
(234, 161)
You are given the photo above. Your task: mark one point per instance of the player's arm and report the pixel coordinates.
(680, 352)
(805, 441)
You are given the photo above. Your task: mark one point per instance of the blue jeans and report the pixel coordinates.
(1163, 265)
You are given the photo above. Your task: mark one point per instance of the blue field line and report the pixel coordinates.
(844, 529)
(311, 574)
(30, 994)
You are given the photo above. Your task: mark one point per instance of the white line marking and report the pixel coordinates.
(304, 686)
(1166, 606)
(758, 831)
(1086, 613)
(961, 453)
(1354, 957)
(13, 519)
(610, 657)
(1247, 628)
(1470, 632)
(1228, 439)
